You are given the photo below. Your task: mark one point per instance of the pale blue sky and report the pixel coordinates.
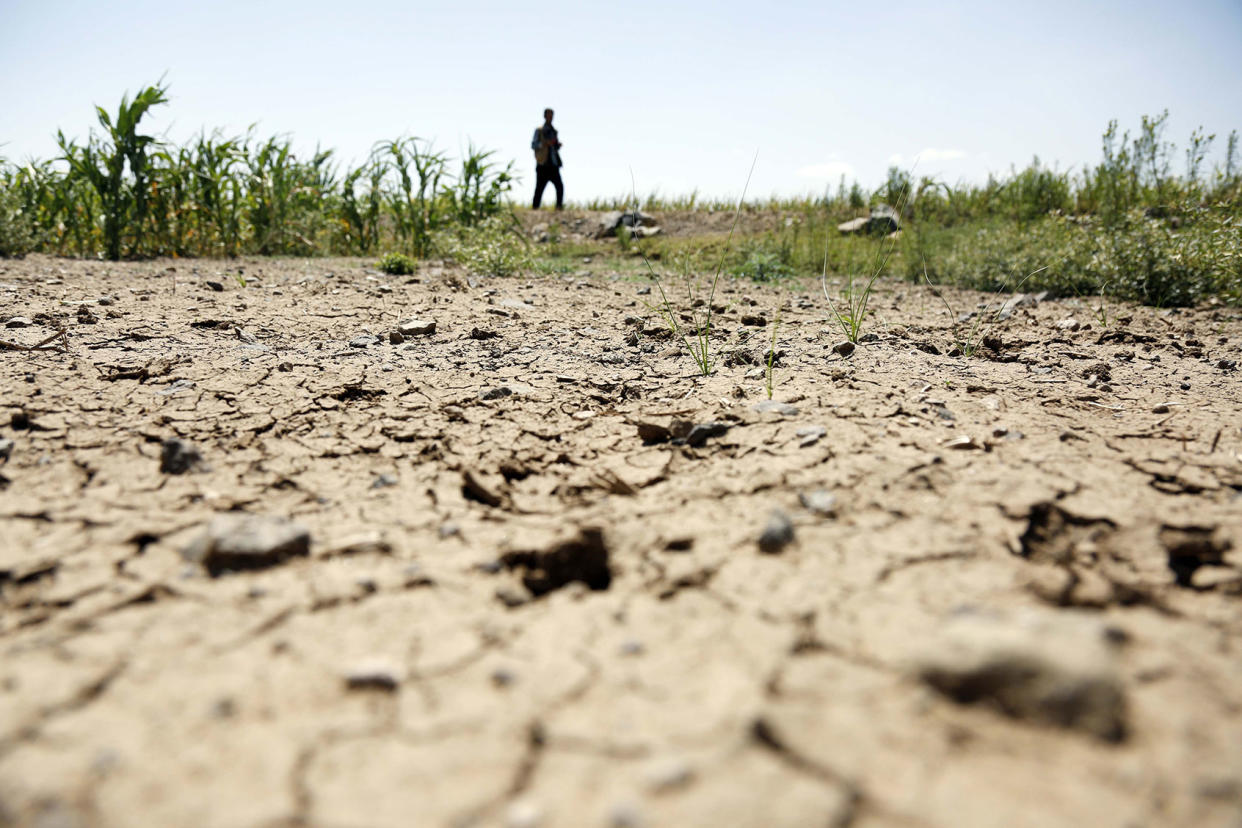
(682, 93)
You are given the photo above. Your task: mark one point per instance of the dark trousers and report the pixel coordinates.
(543, 174)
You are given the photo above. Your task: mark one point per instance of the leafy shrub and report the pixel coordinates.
(762, 265)
(398, 264)
(1158, 261)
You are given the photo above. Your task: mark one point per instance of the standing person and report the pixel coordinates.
(547, 149)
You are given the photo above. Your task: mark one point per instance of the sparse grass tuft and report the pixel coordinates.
(396, 264)
(698, 341)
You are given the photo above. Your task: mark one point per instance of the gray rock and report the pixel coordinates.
(18, 322)
(820, 502)
(416, 327)
(852, 226)
(775, 407)
(639, 223)
(700, 432)
(810, 435)
(1018, 300)
(882, 220)
(777, 534)
(495, 393)
(179, 456)
(237, 541)
(384, 481)
(6, 450)
(1047, 668)
(363, 341)
(1069, 324)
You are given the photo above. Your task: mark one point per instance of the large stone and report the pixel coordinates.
(234, 542)
(1036, 666)
(640, 223)
(881, 221)
(416, 327)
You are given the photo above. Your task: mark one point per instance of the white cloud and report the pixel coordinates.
(929, 155)
(829, 171)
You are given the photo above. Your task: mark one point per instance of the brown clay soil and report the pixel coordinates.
(535, 597)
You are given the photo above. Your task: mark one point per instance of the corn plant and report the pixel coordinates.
(479, 187)
(104, 162)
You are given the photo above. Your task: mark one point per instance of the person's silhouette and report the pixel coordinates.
(547, 147)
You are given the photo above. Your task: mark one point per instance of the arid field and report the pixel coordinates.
(293, 541)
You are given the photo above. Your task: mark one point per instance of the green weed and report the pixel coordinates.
(698, 341)
(396, 264)
(776, 323)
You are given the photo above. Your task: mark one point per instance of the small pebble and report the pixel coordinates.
(373, 674)
(668, 773)
(524, 814)
(820, 501)
(777, 534)
(810, 435)
(843, 348)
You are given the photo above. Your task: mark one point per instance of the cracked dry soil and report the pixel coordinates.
(534, 596)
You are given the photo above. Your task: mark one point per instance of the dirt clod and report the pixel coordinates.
(1048, 669)
(179, 456)
(583, 558)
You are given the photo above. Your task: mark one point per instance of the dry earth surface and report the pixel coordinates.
(496, 576)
